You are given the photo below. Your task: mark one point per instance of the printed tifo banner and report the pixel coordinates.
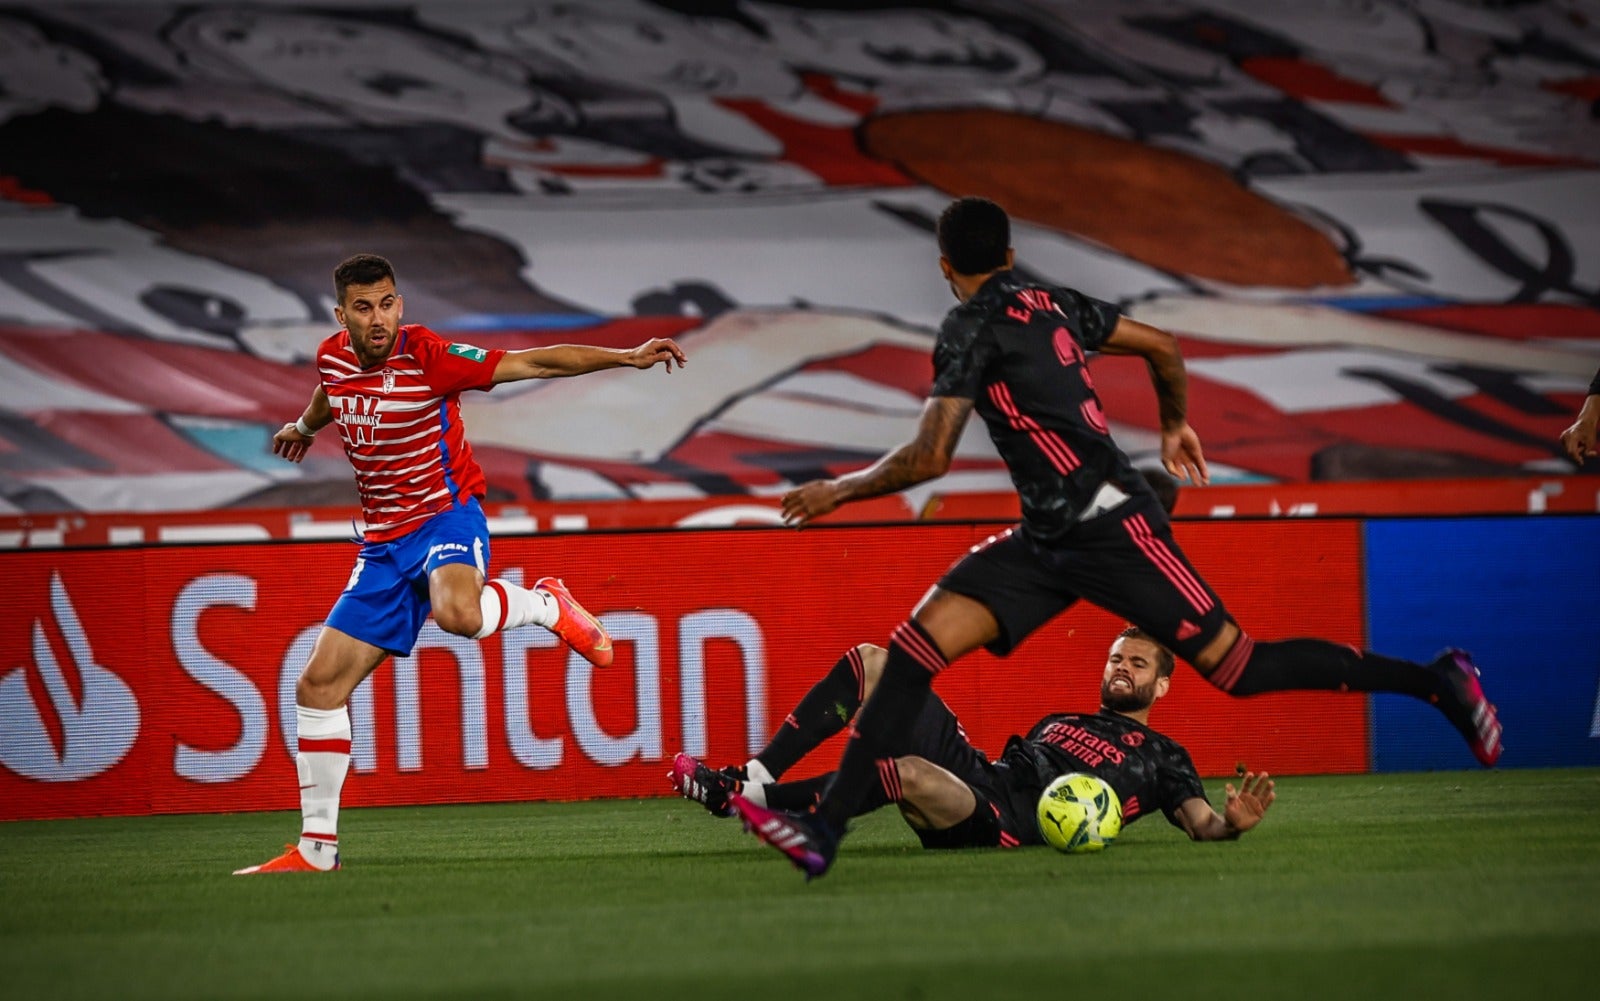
(161, 680)
(1362, 220)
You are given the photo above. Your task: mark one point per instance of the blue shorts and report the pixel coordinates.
(386, 600)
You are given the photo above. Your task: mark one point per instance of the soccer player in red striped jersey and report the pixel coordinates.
(392, 391)
(1013, 350)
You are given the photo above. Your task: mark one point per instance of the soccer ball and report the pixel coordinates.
(1079, 813)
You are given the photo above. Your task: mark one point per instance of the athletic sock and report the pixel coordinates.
(803, 794)
(756, 772)
(506, 606)
(825, 710)
(322, 758)
(1251, 668)
(884, 722)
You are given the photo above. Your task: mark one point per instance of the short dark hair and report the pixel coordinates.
(1165, 665)
(974, 235)
(361, 269)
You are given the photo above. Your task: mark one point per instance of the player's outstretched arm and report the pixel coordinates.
(925, 457)
(1579, 439)
(1244, 809)
(1181, 453)
(562, 360)
(293, 439)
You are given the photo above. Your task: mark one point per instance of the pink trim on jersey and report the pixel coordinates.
(400, 422)
(918, 647)
(1169, 564)
(1054, 447)
(1130, 809)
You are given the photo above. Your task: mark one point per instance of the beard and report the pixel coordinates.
(1126, 700)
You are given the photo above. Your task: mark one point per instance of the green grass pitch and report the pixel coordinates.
(1451, 885)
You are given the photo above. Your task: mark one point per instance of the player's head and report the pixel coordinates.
(360, 269)
(1138, 671)
(974, 239)
(368, 305)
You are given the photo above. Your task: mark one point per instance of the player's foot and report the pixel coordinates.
(1465, 705)
(710, 789)
(806, 839)
(576, 627)
(290, 861)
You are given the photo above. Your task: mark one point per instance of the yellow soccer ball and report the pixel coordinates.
(1079, 813)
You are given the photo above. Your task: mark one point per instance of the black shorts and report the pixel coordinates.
(1124, 561)
(1004, 815)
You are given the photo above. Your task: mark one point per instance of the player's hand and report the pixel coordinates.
(1182, 456)
(809, 501)
(1578, 440)
(1248, 804)
(291, 444)
(657, 351)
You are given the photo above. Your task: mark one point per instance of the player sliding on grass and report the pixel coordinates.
(1014, 351)
(954, 797)
(394, 391)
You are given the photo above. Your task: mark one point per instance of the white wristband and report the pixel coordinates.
(300, 426)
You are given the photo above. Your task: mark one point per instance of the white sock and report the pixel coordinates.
(322, 759)
(506, 606)
(755, 792)
(755, 771)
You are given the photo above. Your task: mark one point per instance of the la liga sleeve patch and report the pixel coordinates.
(469, 352)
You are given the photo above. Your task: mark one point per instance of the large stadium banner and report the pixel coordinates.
(161, 679)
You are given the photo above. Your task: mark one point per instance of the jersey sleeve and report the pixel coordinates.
(1177, 782)
(959, 355)
(1092, 320)
(452, 367)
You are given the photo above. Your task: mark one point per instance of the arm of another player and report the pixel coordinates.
(1579, 439)
(1180, 446)
(925, 457)
(562, 360)
(1244, 810)
(293, 439)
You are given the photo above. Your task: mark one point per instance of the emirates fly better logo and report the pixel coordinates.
(98, 724)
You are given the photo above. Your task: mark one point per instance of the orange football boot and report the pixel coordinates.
(290, 861)
(576, 627)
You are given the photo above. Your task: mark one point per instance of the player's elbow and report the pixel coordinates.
(930, 463)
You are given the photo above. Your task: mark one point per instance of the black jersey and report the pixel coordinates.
(1149, 771)
(1017, 351)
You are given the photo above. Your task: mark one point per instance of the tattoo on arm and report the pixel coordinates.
(923, 458)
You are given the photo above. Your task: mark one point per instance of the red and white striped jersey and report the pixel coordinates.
(401, 424)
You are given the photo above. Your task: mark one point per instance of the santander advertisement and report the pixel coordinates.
(161, 680)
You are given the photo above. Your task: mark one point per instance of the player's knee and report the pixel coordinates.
(873, 658)
(915, 775)
(462, 619)
(318, 693)
(1212, 654)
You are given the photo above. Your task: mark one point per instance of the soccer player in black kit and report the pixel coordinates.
(1091, 529)
(953, 797)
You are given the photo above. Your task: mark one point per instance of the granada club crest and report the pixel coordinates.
(388, 381)
(97, 727)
